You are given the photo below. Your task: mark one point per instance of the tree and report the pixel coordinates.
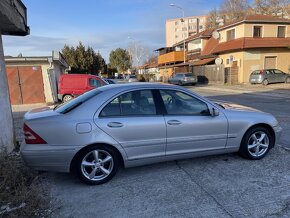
(6, 120)
(279, 8)
(84, 60)
(234, 10)
(138, 53)
(120, 59)
(212, 20)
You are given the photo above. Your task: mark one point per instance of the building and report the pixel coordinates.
(255, 42)
(177, 30)
(34, 79)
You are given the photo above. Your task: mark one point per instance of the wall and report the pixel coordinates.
(268, 30)
(209, 73)
(239, 31)
(165, 73)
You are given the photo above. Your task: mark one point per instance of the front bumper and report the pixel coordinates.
(48, 157)
(278, 131)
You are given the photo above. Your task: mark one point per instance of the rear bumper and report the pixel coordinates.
(256, 80)
(48, 157)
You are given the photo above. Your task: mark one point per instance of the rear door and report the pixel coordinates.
(279, 76)
(134, 122)
(190, 127)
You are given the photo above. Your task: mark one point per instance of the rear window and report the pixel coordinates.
(188, 75)
(256, 72)
(70, 105)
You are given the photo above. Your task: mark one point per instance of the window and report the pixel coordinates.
(281, 31)
(176, 36)
(231, 34)
(257, 31)
(177, 22)
(192, 27)
(278, 72)
(184, 29)
(131, 104)
(192, 20)
(95, 83)
(179, 103)
(201, 27)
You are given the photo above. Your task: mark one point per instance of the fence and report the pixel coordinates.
(209, 73)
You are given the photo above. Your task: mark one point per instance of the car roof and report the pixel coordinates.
(126, 86)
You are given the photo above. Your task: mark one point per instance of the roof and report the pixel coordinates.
(256, 18)
(204, 34)
(249, 42)
(210, 45)
(203, 61)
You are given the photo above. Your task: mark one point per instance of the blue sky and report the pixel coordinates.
(104, 25)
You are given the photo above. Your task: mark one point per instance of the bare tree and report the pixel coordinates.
(213, 19)
(138, 53)
(279, 8)
(234, 10)
(6, 120)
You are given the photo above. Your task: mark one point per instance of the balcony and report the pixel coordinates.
(172, 57)
(13, 18)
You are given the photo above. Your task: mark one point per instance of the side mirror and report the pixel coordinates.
(215, 112)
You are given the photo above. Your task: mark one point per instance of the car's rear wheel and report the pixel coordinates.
(265, 82)
(287, 80)
(97, 164)
(256, 143)
(67, 98)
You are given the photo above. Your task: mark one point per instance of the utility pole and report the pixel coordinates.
(6, 120)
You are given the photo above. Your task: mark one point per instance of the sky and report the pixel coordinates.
(102, 24)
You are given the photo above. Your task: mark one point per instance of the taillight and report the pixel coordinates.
(31, 137)
(261, 72)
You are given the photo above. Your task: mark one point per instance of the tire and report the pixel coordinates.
(179, 83)
(287, 80)
(265, 82)
(97, 165)
(67, 98)
(256, 143)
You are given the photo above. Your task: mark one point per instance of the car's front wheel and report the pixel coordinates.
(287, 80)
(256, 143)
(97, 164)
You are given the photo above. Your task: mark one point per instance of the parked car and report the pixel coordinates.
(183, 79)
(140, 123)
(268, 76)
(109, 81)
(72, 85)
(131, 78)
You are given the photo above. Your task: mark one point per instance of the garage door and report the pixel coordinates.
(25, 85)
(270, 62)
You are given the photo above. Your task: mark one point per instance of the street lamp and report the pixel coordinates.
(180, 8)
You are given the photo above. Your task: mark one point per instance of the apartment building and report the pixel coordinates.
(178, 29)
(253, 43)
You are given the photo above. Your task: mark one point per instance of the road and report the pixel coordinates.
(216, 186)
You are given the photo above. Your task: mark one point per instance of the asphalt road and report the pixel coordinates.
(216, 186)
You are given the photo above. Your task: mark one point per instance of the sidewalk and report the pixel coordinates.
(273, 90)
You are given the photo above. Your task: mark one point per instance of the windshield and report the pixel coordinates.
(70, 105)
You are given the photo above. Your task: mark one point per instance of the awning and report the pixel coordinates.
(203, 61)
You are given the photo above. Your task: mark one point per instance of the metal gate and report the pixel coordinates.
(25, 85)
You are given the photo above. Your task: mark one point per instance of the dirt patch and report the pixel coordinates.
(21, 192)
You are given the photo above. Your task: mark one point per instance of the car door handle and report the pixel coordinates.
(115, 125)
(173, 122)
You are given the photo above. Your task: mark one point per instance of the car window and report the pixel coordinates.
(278, 72)
(179, 75)
(180, 103)
(268, 72)
(188, 75)
(131, 104)
(94, 82)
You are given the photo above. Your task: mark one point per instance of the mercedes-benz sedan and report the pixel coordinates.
(137, 124)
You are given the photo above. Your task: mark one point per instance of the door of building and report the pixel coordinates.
(25, 84)
(270, 62)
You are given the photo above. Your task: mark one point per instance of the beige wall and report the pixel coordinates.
(171, 29)
(166, 73)
(246, 30)
(251, 60)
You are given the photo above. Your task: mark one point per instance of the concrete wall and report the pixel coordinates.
(254, 59)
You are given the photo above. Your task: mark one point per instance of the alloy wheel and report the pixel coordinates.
(258, 144)
(97, 165)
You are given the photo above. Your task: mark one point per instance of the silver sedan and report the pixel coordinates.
(137, 124)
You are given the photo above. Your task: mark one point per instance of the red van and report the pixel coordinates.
(72, 85)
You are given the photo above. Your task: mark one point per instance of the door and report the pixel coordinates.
(279, 76)
(270, 62)
(132, 120)
(190, 127)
